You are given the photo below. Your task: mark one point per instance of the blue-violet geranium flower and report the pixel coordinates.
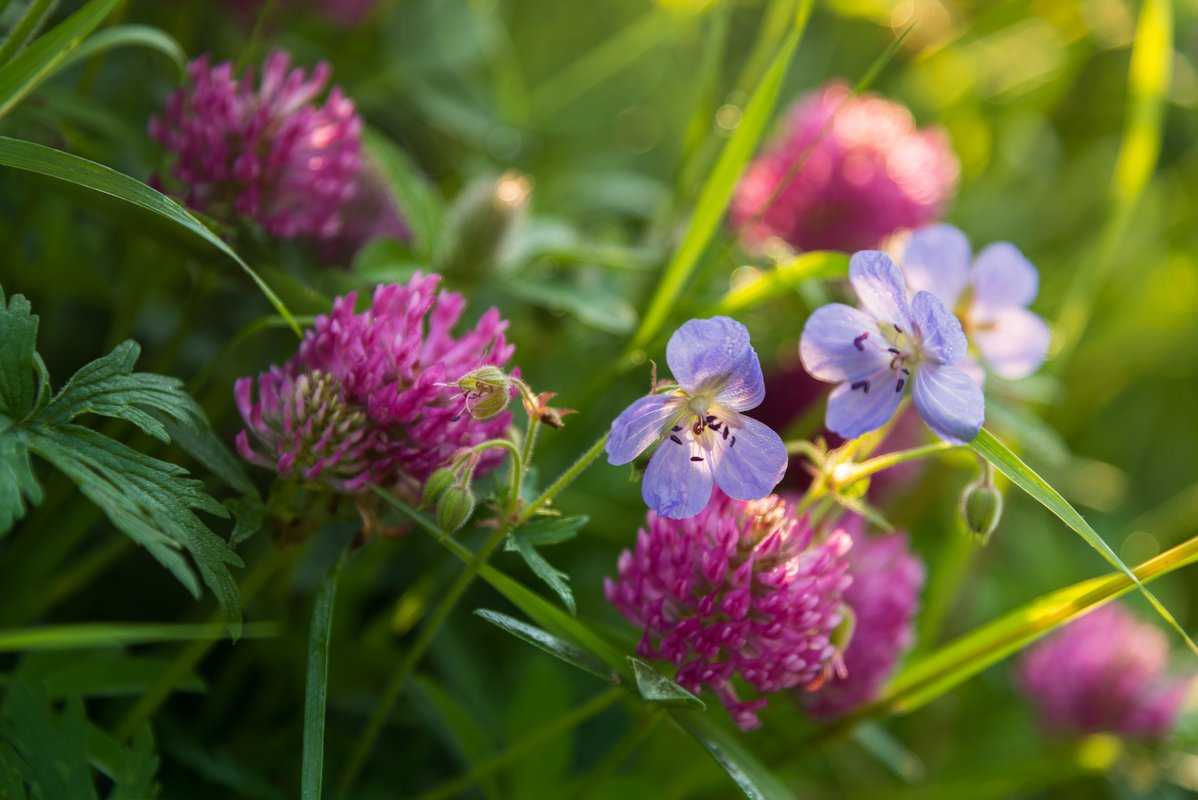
(875, 353)
(705, 439)
(990, 298)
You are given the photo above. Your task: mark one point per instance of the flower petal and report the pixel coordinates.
(936, 259)
(744, 386)
(639, 425)
(751, 461)
(674, 485)
(841, 343)
(880, 287)
(1002, 278)
(1015, 343)
(852, 412)
(715, 354)
(940, 331)
(949, 401)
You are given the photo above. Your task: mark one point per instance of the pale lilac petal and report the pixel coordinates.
(936, 260)
(949, 401)
(1002, 278)
(674, 485)
(973, 368)
(940, 331)
(639, 425)
(841, 343)
(880, 287)
(751, 461)
(714, 354)
(852, 412)
(744, 387)
(1014, 343)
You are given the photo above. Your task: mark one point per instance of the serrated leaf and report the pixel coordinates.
(549, 530)
(109, 387)
(53, 747)
(249, 517)
(554, 578)
(18, 484)
(543, 640)
(994, 451)
(196, 438)
(18, 340)
(749, 774)
(657, 688)
(135, 775)
(105, 673)
(152, 501)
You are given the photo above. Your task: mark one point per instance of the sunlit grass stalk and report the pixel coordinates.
(317, 689)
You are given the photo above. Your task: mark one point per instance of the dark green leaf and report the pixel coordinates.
(196, 438)
(549, 530)
(657, 688)
(554, 578)
(593, 303)
(105, 673)
(749, 774)
(554, 646)
(114, 634)
(53, 746)
(18, 342)
(18, 484)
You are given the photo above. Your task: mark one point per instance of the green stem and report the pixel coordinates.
(530, 442)
(26, 28)
(316, 696)
(518, 463)
(883, 462)
(559, 726)
(565, 479)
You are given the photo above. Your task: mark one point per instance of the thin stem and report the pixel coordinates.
(26, 28)
(559, 726)
(565, 479)
(316, 696)
(518, 463)
(530, 441)
(883, 462)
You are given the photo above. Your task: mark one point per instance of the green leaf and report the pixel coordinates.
(130, 193)
(782, 279)
(316, 689)
(18, 484)
(542, 640)
(422, 208)
(554, 578)
(151, 501)
(939, 671)
(134, 775)
(130, 36)
(1023, 476)
(550, 530)
(592, 303)
(720, 185)
(53, 746)
(465, 736)
(657, 688)
(113, 634)
(18, 343)
(39, 61)
(749, 774)
(104, 673)
(198, 440)
(109, 387)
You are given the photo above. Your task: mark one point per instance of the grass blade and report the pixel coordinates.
(114, 634)
(717, 191)
(130, 36)
(99, 179)
(782, 279)
(316, 692)
(750, 775)
(39, 61)
(994, 451)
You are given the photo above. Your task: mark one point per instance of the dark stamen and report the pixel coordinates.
(725, 433)
(897, 328)
(676, 428)
(715, 426)
(906, 372)
(894, 350)
(675, 439)
(696, 458)
(710, 419)
(733, 442)
(899, 386)
(858, 341)
(862, 385)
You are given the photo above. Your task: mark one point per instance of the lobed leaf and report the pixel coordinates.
(543, 640)
(657, 688)
(550, 530)
(554, 578)
(18, 484)
(18, 335)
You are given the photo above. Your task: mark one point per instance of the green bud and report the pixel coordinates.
(487, 391)
(454, 508)
(842, 634)
(436, 485)
(480, 221)
(981, 508)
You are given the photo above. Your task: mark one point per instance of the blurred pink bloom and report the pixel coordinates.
(366, 400)
(267, 152)
(853, 170)
(740, 590)
(884, 596)
(1105, 672)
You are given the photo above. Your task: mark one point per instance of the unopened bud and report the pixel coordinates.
(454, 508)
(487, 389)
(436, 485)
(981, 508)
(480, 220)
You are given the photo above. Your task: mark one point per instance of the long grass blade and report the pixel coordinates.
(317, 688)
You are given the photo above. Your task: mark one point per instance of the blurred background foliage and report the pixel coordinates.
(615, 112)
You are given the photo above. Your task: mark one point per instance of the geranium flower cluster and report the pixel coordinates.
(369, 398)
(740, 591)
(265, 151)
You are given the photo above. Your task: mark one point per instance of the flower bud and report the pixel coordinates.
(436, 485)
(981, 508)
(487, 391)
(454, 508)
(480, 221)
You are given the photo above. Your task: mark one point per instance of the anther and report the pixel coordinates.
(675, 439)
(898, 387)
(677, 428)
(862, 385)
(696, 458)
(894, 350)
(733, 442)
(725, 433)
(858, 341)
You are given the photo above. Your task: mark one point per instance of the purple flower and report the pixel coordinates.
(1105, 672)
(990, 298)
(877, 352)
(368, 399)
(884, 597)
(848, 172)
(265, 152)
(705, 438)
(740, 590)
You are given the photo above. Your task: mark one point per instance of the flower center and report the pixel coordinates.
(705, 429)
(905, 353)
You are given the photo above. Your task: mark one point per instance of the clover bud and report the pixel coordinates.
(981, 508)
(454, 508)
(480, 221)
(436, 485)
(487, 389)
